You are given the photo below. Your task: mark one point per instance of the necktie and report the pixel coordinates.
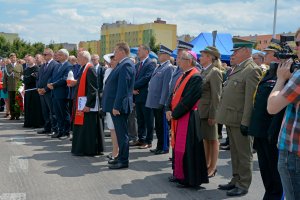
(139, 69)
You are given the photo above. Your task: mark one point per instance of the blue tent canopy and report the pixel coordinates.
(223, 43)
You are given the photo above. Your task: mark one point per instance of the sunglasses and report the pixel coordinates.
(297, 43)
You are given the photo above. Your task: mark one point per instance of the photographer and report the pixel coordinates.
(288, 95)
(265, 127)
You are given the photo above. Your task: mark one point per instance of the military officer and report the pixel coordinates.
(235, 112)
(12, 76)
(209, 101)
(157, 97)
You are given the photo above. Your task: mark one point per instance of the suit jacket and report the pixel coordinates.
(236, 103)
(118, 90)
(158, 89)
(12, 76)
(175, 75)
(100, 76)
(45, 74)
(59, 80)
(76, 72)
(142, 79)
(211, 92)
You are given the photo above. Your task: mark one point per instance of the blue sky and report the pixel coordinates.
(80, 20)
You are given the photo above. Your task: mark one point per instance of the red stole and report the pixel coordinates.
(179, 127)
(79, 114)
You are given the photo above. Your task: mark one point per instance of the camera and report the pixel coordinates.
(286, 52)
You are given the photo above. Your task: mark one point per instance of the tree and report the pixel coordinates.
(38, 47)
(73, 52)
(4, 47)
(152, 44)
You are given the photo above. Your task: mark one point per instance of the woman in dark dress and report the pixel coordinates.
(32, 105)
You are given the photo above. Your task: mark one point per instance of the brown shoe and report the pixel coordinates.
(145, 146)
(136, 143)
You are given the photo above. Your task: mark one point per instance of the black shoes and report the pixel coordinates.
(158, 152)
(236, 192)
(43, 132)
(57, 135)
(172, 179)
(153, 150)
(113, 161)
(118, 166)
(213, 174)
(228, 186)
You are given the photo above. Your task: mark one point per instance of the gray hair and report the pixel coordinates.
(86, 55)
(189, 56)
(64, 51)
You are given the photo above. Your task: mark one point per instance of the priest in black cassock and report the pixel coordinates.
(33, 117)
(88, 139)
(189, 164)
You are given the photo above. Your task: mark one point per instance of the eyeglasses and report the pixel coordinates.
(182, 58)
(45, 54)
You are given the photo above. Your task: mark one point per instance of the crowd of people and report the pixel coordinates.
(187, 103)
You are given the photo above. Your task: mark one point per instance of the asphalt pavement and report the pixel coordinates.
(36, 167)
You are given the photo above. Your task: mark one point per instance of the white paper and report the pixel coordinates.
(82, 102)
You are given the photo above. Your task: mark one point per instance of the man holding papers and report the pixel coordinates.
(87, 131)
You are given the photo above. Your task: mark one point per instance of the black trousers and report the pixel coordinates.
(121, 127)
(14, 113)
(61, 110)
(145, 119)
(267, 154)
(48, 112)
(161, 129)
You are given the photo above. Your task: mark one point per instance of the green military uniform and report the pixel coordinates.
(211, 92)
(12, 75)
(235, 110)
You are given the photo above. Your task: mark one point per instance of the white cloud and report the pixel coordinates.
(76, 20)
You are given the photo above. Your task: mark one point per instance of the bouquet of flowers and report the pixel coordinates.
(19, 105)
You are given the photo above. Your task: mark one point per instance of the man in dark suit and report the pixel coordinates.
(44, 76)
(58, 85)
(118, 100)
(100, 70)
(100, 73)
(145, 117)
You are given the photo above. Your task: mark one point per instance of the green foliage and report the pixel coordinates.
(73, 52)
(4, 47)
(20, 47)
(152, 44)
